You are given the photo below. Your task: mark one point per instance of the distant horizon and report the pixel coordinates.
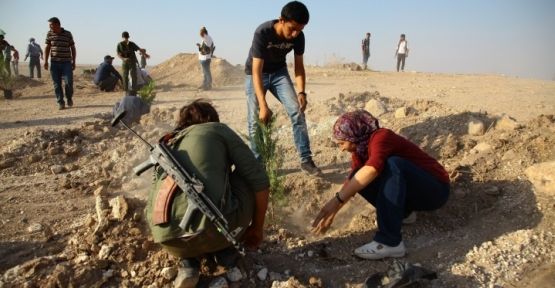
(496, 37)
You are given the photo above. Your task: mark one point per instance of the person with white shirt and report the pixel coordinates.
(402, 52)
(205, 52)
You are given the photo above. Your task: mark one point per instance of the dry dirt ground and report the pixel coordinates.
(71, 210)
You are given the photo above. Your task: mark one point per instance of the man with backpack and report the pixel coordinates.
(126, 52)
(35, 52)
(205, 52)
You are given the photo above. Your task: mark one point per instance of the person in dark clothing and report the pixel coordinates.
(391, 173)
(233, 179)
(35, 52)
(365, 50)
(7, 49)
(106, 76)
(266, 70)
(126, 51)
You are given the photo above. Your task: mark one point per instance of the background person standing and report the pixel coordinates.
(61, 48)
(35, 52)
(205, 51)
(365, 51)
(6, 49)
(15, 62)
(402, 52)
(126, 52)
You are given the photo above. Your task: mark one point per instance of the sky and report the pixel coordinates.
(508, 37)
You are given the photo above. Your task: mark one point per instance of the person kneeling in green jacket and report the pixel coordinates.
(233, 179)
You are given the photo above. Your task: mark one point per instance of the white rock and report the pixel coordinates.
(375, 107)
(310, 253)
(115, 156)
(81, 258)
(168, 273)
(262, 274)
(234, 274)
(57, 169)
(507, 123)
(36, 227)
(542, 176)
(104, 252)
(219, 282)
(401, 112)
(476, 128)
(482, 147)
(119, 207)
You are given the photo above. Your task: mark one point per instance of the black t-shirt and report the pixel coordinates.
(272, 49)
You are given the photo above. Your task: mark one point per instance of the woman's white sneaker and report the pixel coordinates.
(410, 219)
(375, 251)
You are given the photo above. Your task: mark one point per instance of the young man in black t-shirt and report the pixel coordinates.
(126, 51)
(266, 69)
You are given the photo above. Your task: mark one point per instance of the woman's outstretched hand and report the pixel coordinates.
(323, 220)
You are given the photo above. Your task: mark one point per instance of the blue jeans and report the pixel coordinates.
(401, 188)
(59, 70)
(207, 81)
(281, 86)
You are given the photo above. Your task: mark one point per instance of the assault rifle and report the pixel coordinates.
(162, 156)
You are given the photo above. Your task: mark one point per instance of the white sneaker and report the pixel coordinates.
(375, 251)
(410, 219)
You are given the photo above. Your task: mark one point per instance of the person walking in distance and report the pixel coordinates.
(60, 48)
(35, 53)
(365, 51)
(402, 52)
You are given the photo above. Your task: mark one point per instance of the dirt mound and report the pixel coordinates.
(183, 70)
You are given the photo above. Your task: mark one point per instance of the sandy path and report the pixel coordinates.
(520, 98)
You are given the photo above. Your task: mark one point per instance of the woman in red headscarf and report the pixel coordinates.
(391, 173)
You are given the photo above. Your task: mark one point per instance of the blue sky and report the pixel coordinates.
(472, 36)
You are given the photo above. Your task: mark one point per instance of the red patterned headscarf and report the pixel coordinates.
(356, 127)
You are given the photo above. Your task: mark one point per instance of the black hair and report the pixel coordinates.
(403, 35)
(54, 20)
(199, 111)
(295, 11)
(125, 34)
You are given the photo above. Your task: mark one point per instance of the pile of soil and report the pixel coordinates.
(183, 70)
